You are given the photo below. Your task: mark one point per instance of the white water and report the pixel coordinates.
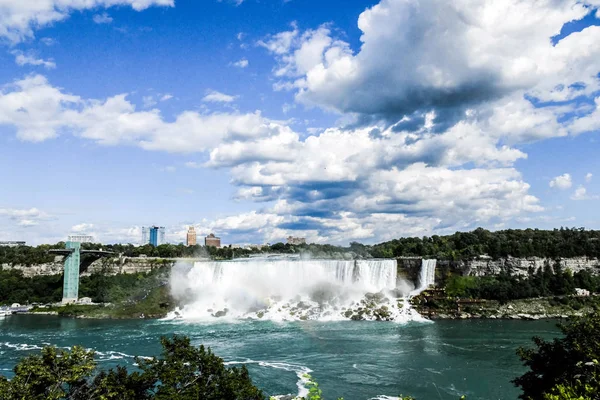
(284, 288)
(426, 277)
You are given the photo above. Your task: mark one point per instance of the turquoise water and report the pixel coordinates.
(356, 360)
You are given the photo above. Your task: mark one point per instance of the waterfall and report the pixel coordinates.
(427, 275)
(279, 288)
(285, 288)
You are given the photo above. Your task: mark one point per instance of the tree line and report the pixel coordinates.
(563, 242)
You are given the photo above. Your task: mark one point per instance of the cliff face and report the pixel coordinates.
(521, 266)
(410, 267)
(110, 266)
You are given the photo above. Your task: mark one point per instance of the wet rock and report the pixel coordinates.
(303, 305)
(378, 297)
(221, 313)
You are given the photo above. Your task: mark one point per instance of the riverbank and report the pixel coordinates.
(154, 305)
(157, 305)
(436, 308)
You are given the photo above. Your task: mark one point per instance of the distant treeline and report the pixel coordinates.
(563, 242)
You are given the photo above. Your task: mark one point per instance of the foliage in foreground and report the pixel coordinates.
(182, 372)
(565, 368)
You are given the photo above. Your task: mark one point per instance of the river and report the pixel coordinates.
(356, 360)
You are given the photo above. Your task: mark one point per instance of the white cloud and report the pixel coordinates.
(280, 43)
(193, 164)
(240, 36)
(103, 18)
(588, 177)
(30, 59)
(243, 63)
(561, 182)
(40, 111)
(152, 100)
(148, 101)
(24, 217)
(19, 19)
(48, 41)
(330, 182)
(455, 56)
(581, 194)
(82, 228)
(218, 97)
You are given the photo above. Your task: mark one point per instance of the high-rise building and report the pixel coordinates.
(11, 243)
(212, 240)
(154, 235)
(296, 240)
(191, 236)
(81, 238)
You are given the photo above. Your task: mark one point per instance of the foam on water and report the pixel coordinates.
(285, 289)
(300, 371)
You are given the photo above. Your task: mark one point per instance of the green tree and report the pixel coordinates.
(51, 375)
(567, 367)
(183, 372)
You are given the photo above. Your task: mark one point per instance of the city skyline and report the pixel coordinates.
(356, 121)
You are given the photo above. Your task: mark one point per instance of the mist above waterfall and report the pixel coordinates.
(286, 288)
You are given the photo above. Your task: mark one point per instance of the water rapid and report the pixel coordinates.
(285, 288)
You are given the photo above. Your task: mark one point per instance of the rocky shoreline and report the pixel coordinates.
(524, 309)
(377, 307)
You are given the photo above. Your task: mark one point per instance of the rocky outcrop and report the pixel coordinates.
(53, 268)
(521, 266)
(109, 266)
(409, 267)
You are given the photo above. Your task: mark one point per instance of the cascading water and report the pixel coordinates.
(427, 275)
(284, 288)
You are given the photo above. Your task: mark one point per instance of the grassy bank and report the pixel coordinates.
(156, 304)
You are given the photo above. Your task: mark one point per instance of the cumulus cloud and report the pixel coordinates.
(561, 182)
(103, 18)
(24, 217)
(30, 59)
(581, 194)
(82, 228)
(329, 184)
(243, 63)
(218, 97)
(588, 177)
(39, 111)
(448, 56)
(19, 19)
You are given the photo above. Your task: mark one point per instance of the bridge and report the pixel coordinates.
(72, 262)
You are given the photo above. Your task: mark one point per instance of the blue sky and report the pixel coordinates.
(353, 120)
